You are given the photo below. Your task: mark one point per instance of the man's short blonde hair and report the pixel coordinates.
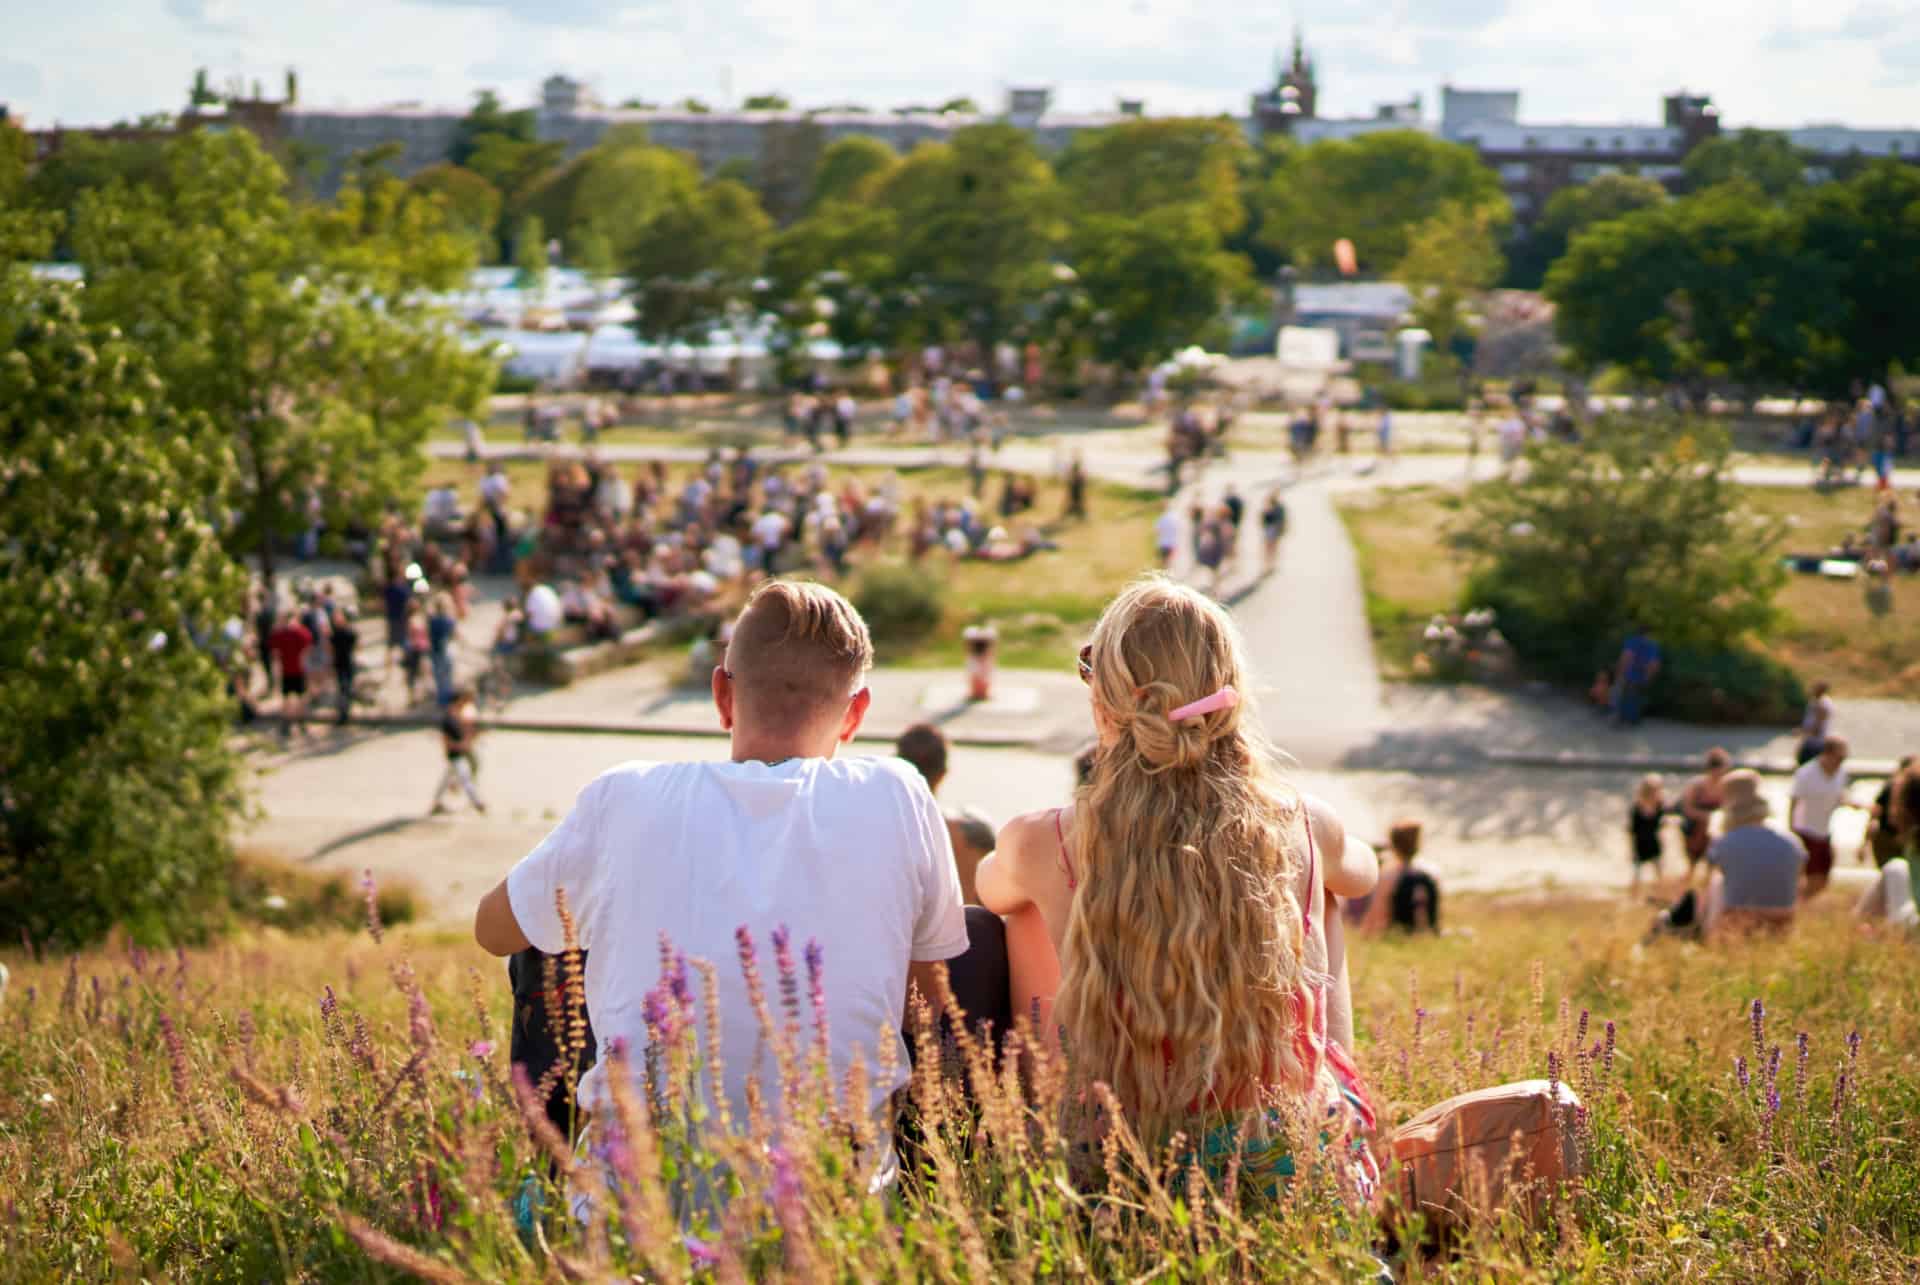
(799, 652)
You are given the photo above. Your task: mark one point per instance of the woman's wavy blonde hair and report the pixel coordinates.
(1185, 984)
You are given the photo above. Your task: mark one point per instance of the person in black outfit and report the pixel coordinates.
(346, 637)
(1643, 824)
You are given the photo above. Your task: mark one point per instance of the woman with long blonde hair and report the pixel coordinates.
(1184, 896)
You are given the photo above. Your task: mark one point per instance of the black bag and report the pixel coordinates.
(1416, 902)
(535, 1040)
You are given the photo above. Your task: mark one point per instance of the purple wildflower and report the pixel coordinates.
(1606, 1055)
(789, 975)
(371, 896)
(1580, 1032)
(1759, 1031)
(176, 1057)
(699, 1253)
(1740, 1072)
(1804, 1048)
(482, 1049)
(1853, 1049)
(816, 958)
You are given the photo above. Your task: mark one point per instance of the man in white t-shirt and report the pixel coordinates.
(1819, 789)
(849, 854)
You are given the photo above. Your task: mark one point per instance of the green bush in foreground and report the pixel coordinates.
(337, 1108)
(117, 786)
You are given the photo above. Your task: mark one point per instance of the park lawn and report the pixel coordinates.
(1043, 606)
(264, 1107)
(1826, 631)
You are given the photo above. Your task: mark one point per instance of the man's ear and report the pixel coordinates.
(856, 714)
(723, 697)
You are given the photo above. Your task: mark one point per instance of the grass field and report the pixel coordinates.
(1400, 536)
(333, 1107)
(1042, 606)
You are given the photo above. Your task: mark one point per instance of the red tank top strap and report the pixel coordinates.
(1066, 862)
(1313, 867)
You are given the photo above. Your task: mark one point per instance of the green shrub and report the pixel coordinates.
(1739, 685)
(508, 382)
(1637, 524)
(899, 603)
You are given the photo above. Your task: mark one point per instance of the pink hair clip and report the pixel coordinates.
(1225, 698)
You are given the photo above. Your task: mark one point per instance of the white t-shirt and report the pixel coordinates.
(1166, 531)
(769, 529)
(543, 609)
(494, 488)
(851, 853)
(1815, 796)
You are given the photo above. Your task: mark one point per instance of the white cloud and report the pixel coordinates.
(1766, 61)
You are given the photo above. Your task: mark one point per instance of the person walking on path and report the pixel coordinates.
(1699, 800)
(459, 728)
(346, 639)
(442, 626)
(1819, 789)
(1273, 526)
(1815, 725)
(291, 642)
(1638, 666)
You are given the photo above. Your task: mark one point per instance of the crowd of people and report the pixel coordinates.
(1760, 873)
(1870, 430)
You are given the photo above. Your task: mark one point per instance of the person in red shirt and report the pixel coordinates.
(291, 641)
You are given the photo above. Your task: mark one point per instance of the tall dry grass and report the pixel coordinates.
(340, 1107)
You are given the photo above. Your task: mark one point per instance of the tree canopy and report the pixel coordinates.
(489, 120)
(1725, 289)
(118, 786)
(1144, 164)
(1764, 158)
(472, 204)
(1571, 211)
(1373, 190)
(300, 337)
(1452, 258)
(696, 257)
(850, 167)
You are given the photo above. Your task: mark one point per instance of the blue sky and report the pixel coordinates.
(1774, 62)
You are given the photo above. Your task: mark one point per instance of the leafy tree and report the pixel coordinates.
(472, 204)
(201, 94)
(979, 218)
(613, 189)
(1451, 259)
(594, 255)
(1571, 211)
(1703, 291)
(516, 169)
(118, 786)
(698, 258)
(1764, 158)
(1636, 524)
(767, 103)
(302, 338)
(1141, 165)
(961, 106)
(16, 150)
(638, 105)
(841, 254)
(85, 165)
(1373, 190)
(695, 106)
(849, 167)
(1155, 282)
(489, 120)
(1857, 250)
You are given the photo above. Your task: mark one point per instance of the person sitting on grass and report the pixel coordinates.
(849, 855)
(1407, 897)
(926, 747)
(1187, 898)
(1756, 870)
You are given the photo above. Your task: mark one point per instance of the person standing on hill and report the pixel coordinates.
(1815, 725)
(1819, 789)
(290, 642)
